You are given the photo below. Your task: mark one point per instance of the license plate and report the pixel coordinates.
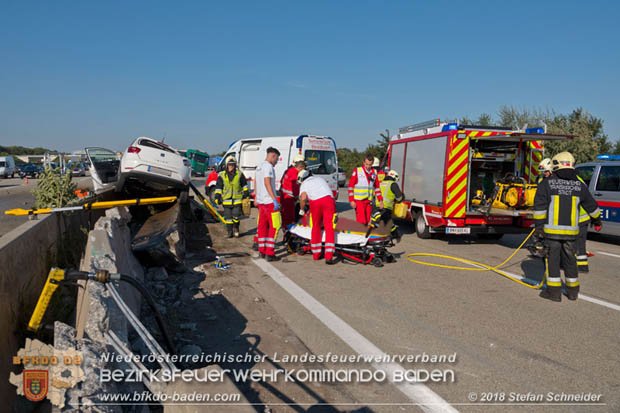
(160, 171)
(463, 230)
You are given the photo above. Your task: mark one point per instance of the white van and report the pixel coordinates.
(7, 166)
(319, 152)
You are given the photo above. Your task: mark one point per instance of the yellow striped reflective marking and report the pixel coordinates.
(456, 177)
(457, 163)
(454, 205)
(556, 210)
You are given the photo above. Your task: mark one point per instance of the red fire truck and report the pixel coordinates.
(460, 179)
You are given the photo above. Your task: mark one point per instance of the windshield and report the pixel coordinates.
(200, 158)
(321, 162)
(2, 163)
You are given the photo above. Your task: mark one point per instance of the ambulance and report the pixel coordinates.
(319, 152)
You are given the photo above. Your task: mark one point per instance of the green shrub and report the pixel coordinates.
(54, 189)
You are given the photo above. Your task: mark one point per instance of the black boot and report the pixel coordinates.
(229, 228)
(236, 230)
(548, 295)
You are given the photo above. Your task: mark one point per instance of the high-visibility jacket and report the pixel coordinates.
(232, 191)
(363, 186)
(557, 202)
(289, 185)
(390, 192)
(584, 218)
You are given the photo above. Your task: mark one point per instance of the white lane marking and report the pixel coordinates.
(428, 400)
(608, 253)
(581, 295)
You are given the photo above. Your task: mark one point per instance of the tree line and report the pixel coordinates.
(590, 139)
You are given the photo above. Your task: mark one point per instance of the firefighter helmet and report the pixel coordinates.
(298, 158)
(375, 162)
(303, 175)
(563, 160)
(393, 174)
(545, 165)
(231, 160)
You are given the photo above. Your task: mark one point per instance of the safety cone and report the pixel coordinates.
(26, 180)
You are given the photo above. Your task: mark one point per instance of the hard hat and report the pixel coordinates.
(393, 174)
(298, 158)
(545, 165)
(563, 160)
(231, 160)
(375, 162)
(303, 175)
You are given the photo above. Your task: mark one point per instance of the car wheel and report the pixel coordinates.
(421, 228)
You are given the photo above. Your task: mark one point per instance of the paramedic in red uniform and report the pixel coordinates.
(322, 211)
(363, 185)
(269, 219)
(290, 190)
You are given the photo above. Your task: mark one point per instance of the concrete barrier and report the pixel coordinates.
(26, 255)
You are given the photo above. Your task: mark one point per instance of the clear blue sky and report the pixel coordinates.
(86, 73)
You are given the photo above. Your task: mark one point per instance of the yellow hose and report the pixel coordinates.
(484, 266)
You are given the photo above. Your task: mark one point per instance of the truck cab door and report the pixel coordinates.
(104, 168)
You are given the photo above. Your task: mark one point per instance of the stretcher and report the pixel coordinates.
(352, 243)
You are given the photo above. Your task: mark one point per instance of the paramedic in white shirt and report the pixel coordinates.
(322, 211)
(269, 219)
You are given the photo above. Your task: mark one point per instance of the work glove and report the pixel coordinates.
(539, 233)
(218, 199)
(276, 206)
(597, 224)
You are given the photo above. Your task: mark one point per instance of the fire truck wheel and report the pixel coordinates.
(421, 229)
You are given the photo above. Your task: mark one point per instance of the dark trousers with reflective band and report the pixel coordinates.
(385, 215)
(562, 253)
(231, 215)
(582, 253)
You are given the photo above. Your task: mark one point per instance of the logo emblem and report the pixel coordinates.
(35, 384)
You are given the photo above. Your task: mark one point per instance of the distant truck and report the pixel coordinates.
(319, 152)
(7, 166)
(199, 161)
(460, 179)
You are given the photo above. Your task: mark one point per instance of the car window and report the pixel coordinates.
(156, 145)
(585, 173)
(609, 178)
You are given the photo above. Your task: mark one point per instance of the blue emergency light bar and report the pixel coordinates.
(608, 157)
(450, 126)
(535, 130)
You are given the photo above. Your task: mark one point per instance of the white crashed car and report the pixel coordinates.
(147, 166)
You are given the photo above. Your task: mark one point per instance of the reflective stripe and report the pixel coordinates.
(549, 229)
(582, 257)
(363, 188)
(329, 244)
(583, 218)
(574, 211)
(540, 214)
(585, 263)
(596, 213)
(555, 208)
(554, 281)
(217, 191)
(287, 192)
(572, 282)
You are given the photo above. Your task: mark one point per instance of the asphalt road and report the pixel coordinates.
(14, 193)
(508, 341)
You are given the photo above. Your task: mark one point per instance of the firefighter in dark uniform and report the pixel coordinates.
(230, 190)
(544, 170)
(582, 252)
(391, 193)
(556, 217)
